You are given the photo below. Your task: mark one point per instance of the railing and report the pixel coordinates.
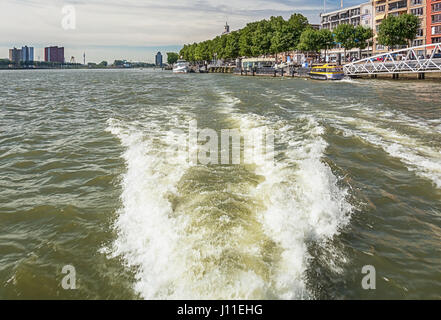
(399, 61)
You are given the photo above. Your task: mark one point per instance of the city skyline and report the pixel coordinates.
(110, 30)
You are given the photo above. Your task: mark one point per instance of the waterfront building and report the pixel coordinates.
(158, 60)
(15, 55)
(54, 54)
(433, 21)
(356, 15)
(250, 63)
(27, 54)
(385, 8)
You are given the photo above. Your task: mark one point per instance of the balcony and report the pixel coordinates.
(397, 5)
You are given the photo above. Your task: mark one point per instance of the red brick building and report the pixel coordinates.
(433, 21)
(54, 54)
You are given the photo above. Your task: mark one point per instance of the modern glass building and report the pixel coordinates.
(158, 59)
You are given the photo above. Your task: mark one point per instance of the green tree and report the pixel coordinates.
(326, 39)
(103, 64)
(297, 23)
(310, 41)
(232, 45)
(246, 39)
(256, 38)
(399, 30)
(363, 36)
(345, 35)
(172, 57)
(409, 24)
(261, 40)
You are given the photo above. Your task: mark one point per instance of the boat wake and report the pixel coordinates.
(227, 232)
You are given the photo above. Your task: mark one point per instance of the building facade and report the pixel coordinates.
(385, 8)
(158, 59)
(361, 14)
(54, 54)
(433, 21)
(15, 55)
(27, 54)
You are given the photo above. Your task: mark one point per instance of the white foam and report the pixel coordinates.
(425, 161)
(148, 238)
(302, 198)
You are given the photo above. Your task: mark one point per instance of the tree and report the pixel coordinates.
(103, 64)
(409, 24)
(326, 39)
(256, 38)
(246, 39)
(310, 41)
(399, 30)
(345, 36)
(232, 45)
(172, 57)
(297, 23)
(362, 37)
(261, 40)
(118, 63)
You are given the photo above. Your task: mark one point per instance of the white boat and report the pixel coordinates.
(181, 66)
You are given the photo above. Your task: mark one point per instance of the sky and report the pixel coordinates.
(134, 30)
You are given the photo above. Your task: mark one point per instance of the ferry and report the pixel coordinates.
(327, 72)
(181, 66)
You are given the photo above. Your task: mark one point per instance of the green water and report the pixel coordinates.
(84, 181)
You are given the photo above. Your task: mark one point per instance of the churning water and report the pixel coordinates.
(85, 181)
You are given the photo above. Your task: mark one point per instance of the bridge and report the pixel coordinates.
(398, 62)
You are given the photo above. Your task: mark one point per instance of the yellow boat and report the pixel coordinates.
(327, 72)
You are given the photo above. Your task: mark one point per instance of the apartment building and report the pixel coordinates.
(385, 8)
(433, 21)
(361, 14)
(54, 54)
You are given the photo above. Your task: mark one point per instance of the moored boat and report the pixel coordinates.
(326, 72)
(181, 66)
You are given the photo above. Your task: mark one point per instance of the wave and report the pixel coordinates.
(303, 202)
(425, 161)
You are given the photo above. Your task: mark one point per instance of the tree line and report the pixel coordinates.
(279, 35)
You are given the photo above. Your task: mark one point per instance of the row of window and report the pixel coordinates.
(436, 7)
(398, 5)
(417, 11)
(436, 40)
(436, 18)
(436, 30)
(380, 8)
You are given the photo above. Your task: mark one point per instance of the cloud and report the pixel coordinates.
(134, 24)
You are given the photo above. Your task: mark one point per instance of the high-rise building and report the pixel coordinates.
(356, 15)
(54, 54)
(433, 21)
(15, 55)
(158, 59)
(27, 54)
(385, 8)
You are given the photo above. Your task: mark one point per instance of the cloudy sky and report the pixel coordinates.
(134, 29)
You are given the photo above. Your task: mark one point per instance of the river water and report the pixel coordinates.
(355, 181)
